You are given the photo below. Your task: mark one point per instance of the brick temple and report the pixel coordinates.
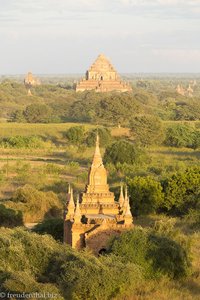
(102, 77)
(96, 216)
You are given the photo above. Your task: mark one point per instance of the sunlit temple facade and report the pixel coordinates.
(95, 216)
(102, 77)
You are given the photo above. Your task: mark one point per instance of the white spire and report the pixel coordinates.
(69, 189)
(71, 200)
(121, 197)
(128, 218)
(77, 213)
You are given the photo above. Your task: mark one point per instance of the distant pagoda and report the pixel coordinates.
(30, 81)
(102, 77)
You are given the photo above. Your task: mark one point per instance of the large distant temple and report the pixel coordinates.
(96, 216)
(102, 77)
(30, 81)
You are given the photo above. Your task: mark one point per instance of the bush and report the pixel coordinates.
(104, 137)
(147, 130)
(83, 276)
(75, 135)
(182, 191)
(54, 227)
(146, 195)
(155, 254)
(124, 152)
(179, 135)
(38, 113)
(34, 204)
(27, 142)
(10, 217)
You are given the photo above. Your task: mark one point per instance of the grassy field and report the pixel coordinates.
(163, 160)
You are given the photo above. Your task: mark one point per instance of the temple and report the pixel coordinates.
(96, 216)
(30, 81)
(102, 77)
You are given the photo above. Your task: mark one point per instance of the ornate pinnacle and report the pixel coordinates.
(77, 213)
(71, 200)
(121, 197)
(69, 189)
(97, 159)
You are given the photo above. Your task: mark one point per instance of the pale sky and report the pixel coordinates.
(65, 36)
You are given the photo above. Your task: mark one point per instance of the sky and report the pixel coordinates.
(66, 36)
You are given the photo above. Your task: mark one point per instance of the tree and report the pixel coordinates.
(179, 135)
(146, 195)
(182, 191)
(76, 134)
(155, 254)
(104, 135)
(34, 204)
(147, 129)
(9, 217)
(124, 152)
(18, 116)
(38, 113)
(54, 227)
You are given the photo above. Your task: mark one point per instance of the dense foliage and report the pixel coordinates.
(154, 253)
(54, 227)
(182, 191)
(44, 265)
(35, 205)
(147, 130)
(124, 152)
(146, 195)
(10, 217)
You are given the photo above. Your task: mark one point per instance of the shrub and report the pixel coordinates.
(179, 135)
(27, 142)
(53, 227)
(10, 217)
(124, 152)
(104, 137)
(38, 113)
(155, 254)
(146, 195)
(182, 191)
(34, 204)
(75, 135)
(83, 276)
(147, 130)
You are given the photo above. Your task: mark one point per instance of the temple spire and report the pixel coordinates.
(97, 159)
(77, 213)
(121, 197)
(128, 219)
(69, 189)
(97, 179)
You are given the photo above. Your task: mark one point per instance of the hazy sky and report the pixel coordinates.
(65, 36)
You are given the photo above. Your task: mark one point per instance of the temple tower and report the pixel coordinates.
(97, 215)
(102, 77)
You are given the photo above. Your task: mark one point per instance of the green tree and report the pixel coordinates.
(155, 254)
(124, 152)
(18, 116)
(76, 135)
(182, 191)
(179, 135)
(54, 227)
(38, 113)
(146, 195)
(104, 135)
(10, 217)
(147, 130)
